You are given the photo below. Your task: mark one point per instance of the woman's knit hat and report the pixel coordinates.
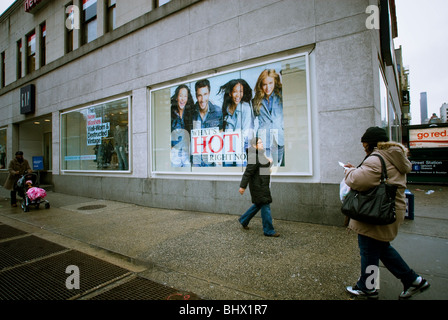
(373, 135)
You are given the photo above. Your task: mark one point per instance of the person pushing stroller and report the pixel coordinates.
(17, 167)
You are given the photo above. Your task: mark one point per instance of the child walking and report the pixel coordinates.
(257, 176)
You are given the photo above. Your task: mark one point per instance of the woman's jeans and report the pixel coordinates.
(372, 251)
(268, 228)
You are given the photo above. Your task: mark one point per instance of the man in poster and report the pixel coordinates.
(207, 122)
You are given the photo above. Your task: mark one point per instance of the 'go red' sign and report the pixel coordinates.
(428, 138)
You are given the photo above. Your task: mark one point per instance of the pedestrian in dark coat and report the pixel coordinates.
(17, 167)
(257, 176)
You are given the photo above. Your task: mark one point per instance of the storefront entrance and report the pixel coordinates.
(35, 140)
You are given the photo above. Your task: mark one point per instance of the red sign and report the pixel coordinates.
(435, 137)
(30, 5)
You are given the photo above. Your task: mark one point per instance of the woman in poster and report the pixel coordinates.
(181, 123)
(268, 109)
(238, 117)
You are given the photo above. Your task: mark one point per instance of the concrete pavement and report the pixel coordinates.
(213, 257)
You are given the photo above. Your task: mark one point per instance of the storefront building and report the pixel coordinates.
(154, 102)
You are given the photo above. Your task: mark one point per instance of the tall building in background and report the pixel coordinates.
(444, 112)
(423, 107)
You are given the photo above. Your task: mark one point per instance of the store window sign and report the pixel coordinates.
(219, 146)
(96, 129)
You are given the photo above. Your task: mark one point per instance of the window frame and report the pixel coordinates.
(19, 46)
(43, 44)
(157, 3)
(30, 53)
(3, 71)
(154, 172)
(89, 22)
(69, 34)
(111, 15)
(93, 105)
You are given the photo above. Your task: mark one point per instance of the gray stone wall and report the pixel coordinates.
(313, 202)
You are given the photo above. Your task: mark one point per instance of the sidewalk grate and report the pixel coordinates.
(45, 279)
(137, 289)
(14, 252)
(9, 232)
(27, 283)
(32, 268)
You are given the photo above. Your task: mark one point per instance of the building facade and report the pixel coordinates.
(154, 102)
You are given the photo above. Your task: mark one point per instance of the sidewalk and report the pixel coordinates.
(213, 257)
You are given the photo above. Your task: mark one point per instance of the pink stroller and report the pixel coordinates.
(30, 192)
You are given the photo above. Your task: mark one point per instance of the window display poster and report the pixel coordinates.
(96, 129)
(220, 130)
(213, 120)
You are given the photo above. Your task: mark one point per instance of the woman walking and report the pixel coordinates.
(374, 240)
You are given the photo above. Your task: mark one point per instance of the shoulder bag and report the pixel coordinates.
(375, 206)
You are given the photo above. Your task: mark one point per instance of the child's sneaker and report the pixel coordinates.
(418, 286)
(365, 294)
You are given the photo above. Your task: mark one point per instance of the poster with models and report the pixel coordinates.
(206, 125)
(214, 119)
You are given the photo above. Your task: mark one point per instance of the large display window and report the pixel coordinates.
(96, 138)
(206, 125)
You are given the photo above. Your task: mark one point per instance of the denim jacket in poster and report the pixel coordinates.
(271, 120)
(213, 119)
(242, 119)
